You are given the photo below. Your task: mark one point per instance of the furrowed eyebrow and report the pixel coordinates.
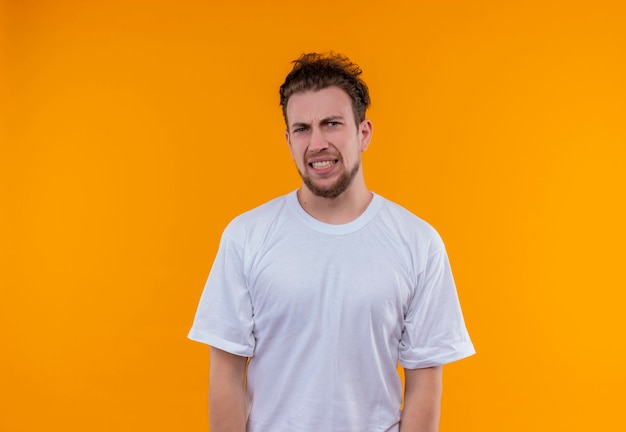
(299, 125)
(323, 121)
(331, 119)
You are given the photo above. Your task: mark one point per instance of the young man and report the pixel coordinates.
(315, 296)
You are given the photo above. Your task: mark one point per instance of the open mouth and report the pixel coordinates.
(323, 164)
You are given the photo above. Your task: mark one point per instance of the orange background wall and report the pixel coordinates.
(133, 131)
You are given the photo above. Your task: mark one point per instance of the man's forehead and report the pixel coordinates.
(318, 104)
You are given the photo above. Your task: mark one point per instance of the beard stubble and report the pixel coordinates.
(337, 188)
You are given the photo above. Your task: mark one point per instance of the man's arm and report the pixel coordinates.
(227, 398)
(422, 400)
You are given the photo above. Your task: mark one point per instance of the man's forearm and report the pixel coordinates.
(420, 417)
(227, 407)
(422, 400)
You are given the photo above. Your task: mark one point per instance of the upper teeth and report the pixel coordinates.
(322, 164)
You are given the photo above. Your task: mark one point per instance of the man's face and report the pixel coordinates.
(324, 140)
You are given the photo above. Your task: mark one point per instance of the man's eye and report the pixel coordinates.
(298, 130)
(333, 123)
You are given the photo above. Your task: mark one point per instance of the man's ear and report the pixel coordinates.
(288, 143)
(365, 134)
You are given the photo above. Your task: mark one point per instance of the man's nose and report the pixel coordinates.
(318, 141)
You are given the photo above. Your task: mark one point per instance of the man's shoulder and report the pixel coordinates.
(407, 223)
(266, 209)
(257, 217)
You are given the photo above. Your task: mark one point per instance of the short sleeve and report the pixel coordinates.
(224, 318)
(434, 329)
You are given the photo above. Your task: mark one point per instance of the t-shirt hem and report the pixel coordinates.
(463, 351)
(220, 343)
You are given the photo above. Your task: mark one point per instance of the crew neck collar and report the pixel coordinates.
(334, 229)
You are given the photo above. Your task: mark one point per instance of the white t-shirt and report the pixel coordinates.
(326, 312)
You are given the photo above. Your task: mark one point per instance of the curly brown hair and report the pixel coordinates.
(315, 71)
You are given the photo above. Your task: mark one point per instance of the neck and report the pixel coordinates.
(339, 210)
